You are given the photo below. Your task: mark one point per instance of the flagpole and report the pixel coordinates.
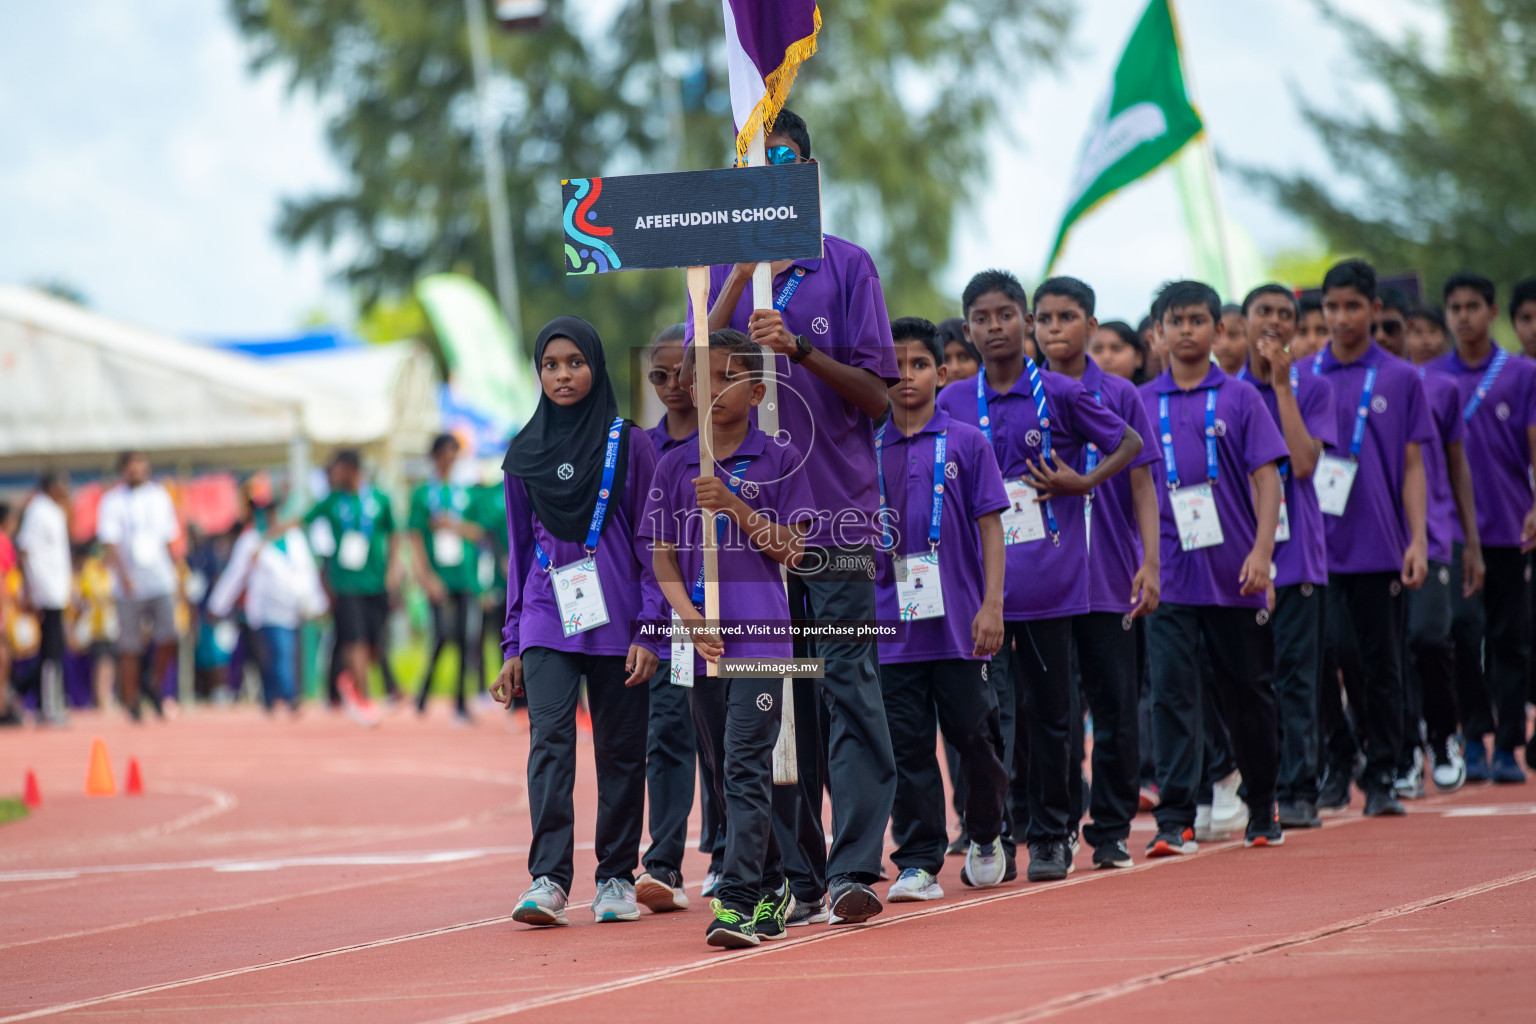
(1204, 142)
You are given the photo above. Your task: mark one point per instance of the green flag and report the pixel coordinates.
(1144, 120)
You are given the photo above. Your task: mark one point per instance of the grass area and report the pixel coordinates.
(11, 809)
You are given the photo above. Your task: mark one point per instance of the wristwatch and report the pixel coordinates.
(803, 348)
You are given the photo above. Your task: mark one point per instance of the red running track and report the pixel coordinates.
(314, 871)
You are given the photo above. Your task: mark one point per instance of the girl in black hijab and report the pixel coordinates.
(580, 596)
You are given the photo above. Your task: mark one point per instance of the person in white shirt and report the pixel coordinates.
(277, 577)
(137, 524)
(42, 546)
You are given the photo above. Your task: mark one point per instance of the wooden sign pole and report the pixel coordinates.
(698, 295)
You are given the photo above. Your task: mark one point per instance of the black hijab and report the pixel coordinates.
(559, 454)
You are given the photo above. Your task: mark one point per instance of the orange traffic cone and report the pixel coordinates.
(33, 795)
(99, 781)
(135, 784)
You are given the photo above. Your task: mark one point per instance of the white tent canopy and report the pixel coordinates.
(76, 387)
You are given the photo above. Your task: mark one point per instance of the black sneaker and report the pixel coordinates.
(854, 903)
(958, 848)
(1264, 829)
(1169, 843)
(1333, 794)
(1299, 814)
(771, 918)
(1112, 854)
(803, 913)
(730, 929)
(1379, 801)
(1048, 861)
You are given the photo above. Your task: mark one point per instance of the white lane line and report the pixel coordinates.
(1078, 1000)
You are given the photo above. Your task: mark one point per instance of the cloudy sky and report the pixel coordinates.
(141, 163)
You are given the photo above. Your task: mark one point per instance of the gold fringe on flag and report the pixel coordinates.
(778, 82)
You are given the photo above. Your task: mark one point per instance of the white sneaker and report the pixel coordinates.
(542, 903)
(986, 865)
(615, 901)
(1450, 771)
(1203, 831)
(1228, 814)
(914, 885)
(658, 896)
(711, 882)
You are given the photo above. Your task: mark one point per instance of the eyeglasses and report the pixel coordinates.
(660, 377)
(782, 155)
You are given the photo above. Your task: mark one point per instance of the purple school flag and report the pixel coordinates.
(766, 41)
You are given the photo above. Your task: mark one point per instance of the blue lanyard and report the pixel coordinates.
(1476, 401)
(1363, 411)
(435, 497)
(788, 291)
(600, 510)
(1170, 463)
(734, 485)
(1285, 464)
(361, 511)
(1093, 450)
(936, 513)
(1042, 413)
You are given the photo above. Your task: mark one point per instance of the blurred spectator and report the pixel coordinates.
(207, 558)
(10, 708)
(445, 538)
(42, 546)
(137, 523)
(95, 621)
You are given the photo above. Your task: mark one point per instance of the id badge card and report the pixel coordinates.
(1194, 510)
(145, 550)
(682, 654)
(322, 539)
(579, 593)
(1022, 521)
(447, 548)
(1283, 524)
(919, 594)
(1334, 479)
(352, 555)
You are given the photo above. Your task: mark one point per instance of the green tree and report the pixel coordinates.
(901, 98)
(1447, 179)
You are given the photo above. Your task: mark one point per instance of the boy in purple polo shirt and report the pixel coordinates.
(831, 343)
(1498, 404)
(758, 499)
(1121, 527)
(1026, 411)
(1373, 497)
(671, 754)
(1302, 407)
(1430, 661)
(941, 496)
(1522, 313)
(1219, 510)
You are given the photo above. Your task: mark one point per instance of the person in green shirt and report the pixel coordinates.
(444, 540)
(362, 569)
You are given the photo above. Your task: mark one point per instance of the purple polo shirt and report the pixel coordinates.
(1442, 524)
(1246, 439)
(662, 440)
(973, 488)
(1114, 539)
(1498, 447)
(1044, 580)
(1372, 534)
(1303, 558)
(751, 587)
(839, 306)
(623, 567)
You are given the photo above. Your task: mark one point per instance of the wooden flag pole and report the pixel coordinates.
(698, 294)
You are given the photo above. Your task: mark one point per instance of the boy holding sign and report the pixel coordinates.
(759, 501)
(1373, 498)
(1219, 511)
(1038, 423)
(940, 499)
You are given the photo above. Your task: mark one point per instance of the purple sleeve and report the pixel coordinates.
(1317, 412)
(1448, 416)
(868, 344)
(1135, 415)
(658, 522)
(637, 489)
(1086, 418)
(519, 557)
(1421, 426)
(793, 503)
(1262, 441)
(1530, 395)
(987, 493)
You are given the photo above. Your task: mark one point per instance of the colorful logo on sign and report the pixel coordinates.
(585, 249)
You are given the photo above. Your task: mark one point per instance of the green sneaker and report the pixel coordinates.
(772, 912)
(730, 929)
